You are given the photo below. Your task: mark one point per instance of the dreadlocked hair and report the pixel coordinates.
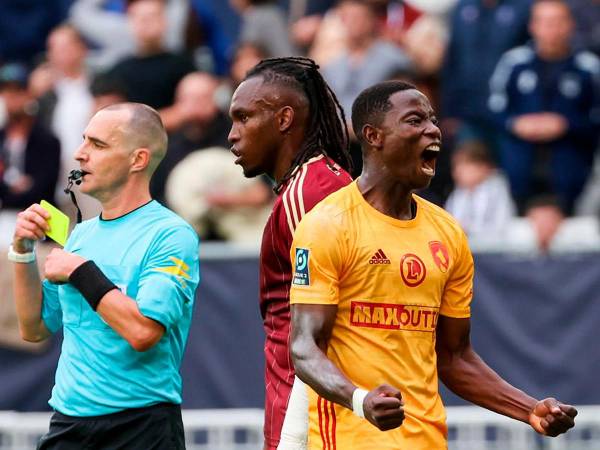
(326, 133)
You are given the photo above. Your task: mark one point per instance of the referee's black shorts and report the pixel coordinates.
(156, 427)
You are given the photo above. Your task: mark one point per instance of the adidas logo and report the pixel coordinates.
(379, 258)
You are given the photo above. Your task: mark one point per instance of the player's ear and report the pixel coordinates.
(285, 118)
(140, 158)
(372, 136)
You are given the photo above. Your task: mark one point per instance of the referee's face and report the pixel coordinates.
(103, 156)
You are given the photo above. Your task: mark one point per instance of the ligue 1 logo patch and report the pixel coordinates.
(439, 252)
(301, 275)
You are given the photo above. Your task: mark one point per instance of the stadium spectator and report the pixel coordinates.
(29, 153)
(286, 124)
(421, 28)
(104, 24)
(207, 190)
(213, 42)
(152, 74)
(29, 164)
(372, 341)
(245, 57)
(66, 106)
(329, 42)
(546, 230)
(480, 32)
(122, 291)
(545, 217)
(264, 24)
(367, 59)
(195, 122)
(546, 97)
(106, 91)
(306, 18)
(481, 200)
(24, 27)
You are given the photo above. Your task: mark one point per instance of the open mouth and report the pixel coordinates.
(237, 153)
(428, 158)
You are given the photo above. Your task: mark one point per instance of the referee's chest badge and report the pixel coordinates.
(301, 273)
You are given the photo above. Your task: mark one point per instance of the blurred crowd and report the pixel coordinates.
(516, 84)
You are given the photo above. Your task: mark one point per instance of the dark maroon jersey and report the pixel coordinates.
(310, 184)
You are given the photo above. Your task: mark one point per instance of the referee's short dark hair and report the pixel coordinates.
(371, 104)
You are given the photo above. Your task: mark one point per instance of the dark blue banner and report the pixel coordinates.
(535, 321)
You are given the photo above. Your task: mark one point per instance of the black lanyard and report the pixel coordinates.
(74, 177)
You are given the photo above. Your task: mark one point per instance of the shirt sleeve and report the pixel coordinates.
(458, 292)
(317, 262)
(51, 310)
(170, 276)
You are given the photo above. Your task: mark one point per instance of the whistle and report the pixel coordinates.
(75, 176)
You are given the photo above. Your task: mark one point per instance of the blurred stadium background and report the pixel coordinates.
(536, 307)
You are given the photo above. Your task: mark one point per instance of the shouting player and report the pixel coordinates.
(381, 297)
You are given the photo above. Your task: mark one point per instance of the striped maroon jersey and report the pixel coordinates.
(310, 184)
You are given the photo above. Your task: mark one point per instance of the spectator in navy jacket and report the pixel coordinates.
(546, 97)
(480, 32)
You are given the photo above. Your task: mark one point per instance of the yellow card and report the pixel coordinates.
(59, 223)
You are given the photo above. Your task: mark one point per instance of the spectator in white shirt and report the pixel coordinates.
(481, 200)
(63, 87)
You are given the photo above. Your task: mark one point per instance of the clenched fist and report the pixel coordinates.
(551, 418)
(384, 408)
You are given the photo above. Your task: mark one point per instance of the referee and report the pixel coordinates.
(122, 291)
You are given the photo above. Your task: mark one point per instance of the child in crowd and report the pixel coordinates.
(481, 199)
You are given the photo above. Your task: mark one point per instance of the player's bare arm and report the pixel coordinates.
(311, 329)
(462, 370)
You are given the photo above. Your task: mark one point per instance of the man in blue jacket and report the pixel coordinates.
(480, 32)
(546, 97)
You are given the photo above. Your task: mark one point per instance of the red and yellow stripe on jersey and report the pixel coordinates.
(390, 280)
(310, 183)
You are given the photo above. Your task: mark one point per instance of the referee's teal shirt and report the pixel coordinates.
(151, 254)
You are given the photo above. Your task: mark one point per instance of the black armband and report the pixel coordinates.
(91, 282)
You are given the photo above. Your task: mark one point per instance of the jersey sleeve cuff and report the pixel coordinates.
(51, 326)
(311, 301)
(455, 313)
(161, 318)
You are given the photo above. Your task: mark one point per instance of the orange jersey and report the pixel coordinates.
(390, 280)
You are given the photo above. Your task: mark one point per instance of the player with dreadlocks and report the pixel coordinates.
(287, 124)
